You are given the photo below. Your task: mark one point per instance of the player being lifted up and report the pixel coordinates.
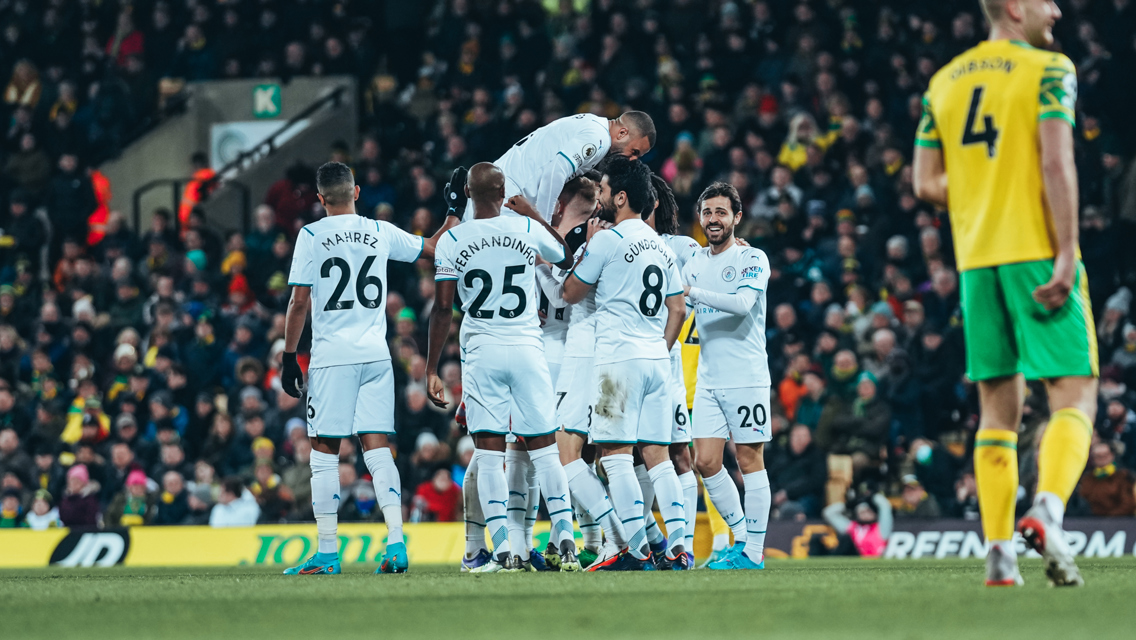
(725, 284)
(491, 260)
(665, 222)
(540, 164)
(996, 142)
(339, 271)
(635, 276)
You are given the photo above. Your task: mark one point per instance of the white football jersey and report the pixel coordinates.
(731, 350)
(580, 339)
(683, 247)
(634, 273)
(556, 312)
(494, 263)
(539, 165)
(344, 260)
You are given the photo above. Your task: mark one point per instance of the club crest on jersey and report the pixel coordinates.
(728, 274)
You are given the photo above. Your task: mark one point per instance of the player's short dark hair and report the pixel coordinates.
(642, 123)
(720, 189)
(335, 183)
(666, 214)
(632, 178)
(584, 186)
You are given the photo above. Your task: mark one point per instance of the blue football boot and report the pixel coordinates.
(319, 564)
(394, 559)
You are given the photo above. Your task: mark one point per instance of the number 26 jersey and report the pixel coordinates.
(493, 261)
(343, 259)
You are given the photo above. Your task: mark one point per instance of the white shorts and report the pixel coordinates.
(633, 402)
(680, 418)
(575, 395)
(554, 355)
(740, 414)
(351, 399)
(500, 382)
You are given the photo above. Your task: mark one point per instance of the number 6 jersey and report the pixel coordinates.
(493, 261)
(634, 273)
(343, 259)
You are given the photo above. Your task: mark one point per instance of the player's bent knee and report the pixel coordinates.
(1073, 392)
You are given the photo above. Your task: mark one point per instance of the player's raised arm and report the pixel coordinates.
(523, 207)
(1059, 174)
(929, 172)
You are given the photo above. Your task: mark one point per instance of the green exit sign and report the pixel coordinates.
(266, 100)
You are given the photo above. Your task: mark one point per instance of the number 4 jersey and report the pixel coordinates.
(634, 273)
(983, 110)
(343, 259)
(493, 261)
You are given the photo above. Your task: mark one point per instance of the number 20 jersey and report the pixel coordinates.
(343, 259)
(493, 261)
(634, 272)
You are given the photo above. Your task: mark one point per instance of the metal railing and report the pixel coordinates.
(177, 187)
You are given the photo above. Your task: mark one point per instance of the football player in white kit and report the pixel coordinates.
(725, 284)
(665, 222)
(540, 164)
(339, 271)
(635, 276)
(491, 260)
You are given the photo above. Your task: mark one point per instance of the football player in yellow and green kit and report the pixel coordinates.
(995, 146)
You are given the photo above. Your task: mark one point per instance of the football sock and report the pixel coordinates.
(627, 498)
(654, 536)
(516, 477)
(758, 500)
(689, 484)
(388, 489)
(325, 499)
(494, 494)
(474, 518)
(718, 527)
(724, 493)
(1061, 459)
(671, 507)
(554, 486)
(996, 473)
(589, 492)
(589, 529)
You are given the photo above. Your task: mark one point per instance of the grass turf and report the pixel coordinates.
(791, 599)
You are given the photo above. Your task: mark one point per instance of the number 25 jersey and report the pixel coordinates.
(634, 272)
(983, 110)
(344, 260)
(493, 261)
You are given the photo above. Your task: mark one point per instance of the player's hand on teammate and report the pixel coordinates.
(741, 242)
(1053, 294)
(521, 206)
(454, 193)
(595, 225)
(436, 391)
(291, 376)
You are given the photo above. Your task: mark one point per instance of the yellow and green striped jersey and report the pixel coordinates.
(982, 109)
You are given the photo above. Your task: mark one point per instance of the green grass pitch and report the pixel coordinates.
(790, 599)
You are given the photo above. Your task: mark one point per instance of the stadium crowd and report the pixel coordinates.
(139, 368)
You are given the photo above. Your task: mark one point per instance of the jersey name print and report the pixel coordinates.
(494, 263)
(344, 260)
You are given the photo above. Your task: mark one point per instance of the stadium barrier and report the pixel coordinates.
(443, 543)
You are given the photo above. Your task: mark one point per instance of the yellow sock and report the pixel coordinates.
(718, 524)
(996, 473)
(1064, 452)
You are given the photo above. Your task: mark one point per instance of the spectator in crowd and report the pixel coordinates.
(80, 504)
(439, 499)
(43, 514)
(798, 476)
(1107, 488)
(236, 506)
(862, 530)
(134, 505)
(173, 502)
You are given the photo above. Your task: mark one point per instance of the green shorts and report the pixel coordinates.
(1007, 332)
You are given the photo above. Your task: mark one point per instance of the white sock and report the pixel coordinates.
(388, 490)
(654, 536)
(494, 493)
(724, 494)
(474, 518)
(532, 507)
(627, 498)
(1052, 504)
(758, 500)
(589, 492)
(721, 541)
(589, 529)
(690, 504)
(671, 506)
(516, 477)
(554, 486)
(325, 499)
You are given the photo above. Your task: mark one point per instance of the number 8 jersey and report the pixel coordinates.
(636, 273)
(343, 259)
(493, 261)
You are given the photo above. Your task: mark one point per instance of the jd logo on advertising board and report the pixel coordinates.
(92, 548)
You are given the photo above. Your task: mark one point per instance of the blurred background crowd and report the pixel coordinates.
(139, 367)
